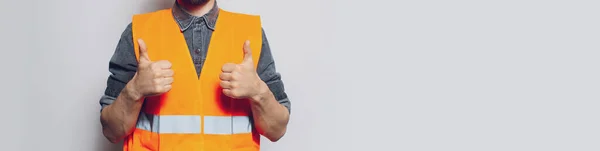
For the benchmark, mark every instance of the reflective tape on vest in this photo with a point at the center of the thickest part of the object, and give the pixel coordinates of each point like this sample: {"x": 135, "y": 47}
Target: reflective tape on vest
{"x": 191, "y": 124}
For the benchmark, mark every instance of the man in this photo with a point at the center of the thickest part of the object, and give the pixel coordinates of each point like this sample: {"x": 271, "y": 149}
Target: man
{"x": 193, "y": 77}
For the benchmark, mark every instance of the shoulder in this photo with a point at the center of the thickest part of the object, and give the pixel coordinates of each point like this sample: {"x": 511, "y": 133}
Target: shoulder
{"x": 127, "y": 32}
{"x": 123, "y": 54}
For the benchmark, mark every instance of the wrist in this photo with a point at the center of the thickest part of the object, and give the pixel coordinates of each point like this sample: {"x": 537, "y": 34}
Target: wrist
{"x": 262, "y": 93}
{"x": 131, "y": 92}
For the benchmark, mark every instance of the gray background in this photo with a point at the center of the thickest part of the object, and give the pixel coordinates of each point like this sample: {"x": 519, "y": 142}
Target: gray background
{"x": 428, "y": 75}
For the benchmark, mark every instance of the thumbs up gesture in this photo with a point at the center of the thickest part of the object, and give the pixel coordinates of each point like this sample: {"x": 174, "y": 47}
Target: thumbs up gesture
{"x": 151, "y": 78}
{"x": 241, "y": 81}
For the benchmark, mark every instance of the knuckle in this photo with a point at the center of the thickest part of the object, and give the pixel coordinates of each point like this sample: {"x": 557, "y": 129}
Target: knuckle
{"x": 234, "y": 94}
{"x": 163, "y": 64}
{"x": 234, "y": 76}
{"x": 228, "y": 67}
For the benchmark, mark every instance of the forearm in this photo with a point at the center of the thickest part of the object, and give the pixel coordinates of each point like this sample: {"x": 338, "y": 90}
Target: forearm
{"x": 270, "y": 117}
{"x": 119, "y": 118}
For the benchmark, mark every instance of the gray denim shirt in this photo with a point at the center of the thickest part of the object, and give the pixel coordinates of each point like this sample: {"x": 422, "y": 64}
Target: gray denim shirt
{"x": 197, "y": 31}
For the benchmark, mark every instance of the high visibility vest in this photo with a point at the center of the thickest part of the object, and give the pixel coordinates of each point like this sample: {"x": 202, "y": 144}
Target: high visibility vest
{"x": 195, "y": 115}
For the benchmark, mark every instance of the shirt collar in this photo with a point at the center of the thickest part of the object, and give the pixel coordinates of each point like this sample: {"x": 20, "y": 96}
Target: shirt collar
{"x": 185, "y": 20}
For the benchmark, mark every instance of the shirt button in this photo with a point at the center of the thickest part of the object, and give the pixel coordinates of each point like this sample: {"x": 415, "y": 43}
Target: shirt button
{"x": 197, "y": 51}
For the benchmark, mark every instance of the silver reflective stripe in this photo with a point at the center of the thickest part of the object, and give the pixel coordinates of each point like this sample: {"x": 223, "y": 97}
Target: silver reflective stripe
{"x": 182, "y": 124}
{"x": 227, "y": 125}
{"x": 146, "y": 122}
{"x": 191, "y": 124}
{"x": 241, "y": 125}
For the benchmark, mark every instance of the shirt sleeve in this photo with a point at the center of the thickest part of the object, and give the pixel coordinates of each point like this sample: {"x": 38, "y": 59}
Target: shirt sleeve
{"x": 267, "y": 72}
{"x": 122, "y": 67}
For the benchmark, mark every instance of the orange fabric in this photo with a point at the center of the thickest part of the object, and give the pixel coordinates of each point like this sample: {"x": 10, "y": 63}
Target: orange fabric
{"x": 191, "y": 95}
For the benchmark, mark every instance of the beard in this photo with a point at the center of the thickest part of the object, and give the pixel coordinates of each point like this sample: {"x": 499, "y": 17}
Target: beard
{"x": 194, "y": 2}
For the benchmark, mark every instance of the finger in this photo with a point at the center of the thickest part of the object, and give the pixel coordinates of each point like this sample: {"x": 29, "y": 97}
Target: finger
{"x": 247, "y": 52}
{"x": 167, "y": 88}
{"x": 167, "y": 81}
{"x": 143, "y": 52}
{"x": 163, "y": 64}
{"x": 228, "y": 92}
{"x": 226, "y": 76}
{"x": 228, "y": 67}
{"x": 225, "y": 85}
{"x": 165, "y": 73}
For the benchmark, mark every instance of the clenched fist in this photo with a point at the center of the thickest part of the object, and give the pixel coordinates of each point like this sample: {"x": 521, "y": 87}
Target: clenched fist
{"x": 151, "y": 78}
{"x": 241, "y": 81}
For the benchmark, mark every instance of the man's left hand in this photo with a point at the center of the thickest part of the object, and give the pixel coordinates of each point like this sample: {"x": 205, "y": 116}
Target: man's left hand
{"x": 241, "y": 81}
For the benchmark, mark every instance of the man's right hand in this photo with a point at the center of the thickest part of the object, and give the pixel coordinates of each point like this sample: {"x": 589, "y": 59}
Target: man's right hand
{"x": 151, "y": 78}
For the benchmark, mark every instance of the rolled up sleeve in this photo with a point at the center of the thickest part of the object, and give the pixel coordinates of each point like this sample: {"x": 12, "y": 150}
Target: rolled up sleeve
{"x": 122, "y": 67}
{"x": 267, "y": 72}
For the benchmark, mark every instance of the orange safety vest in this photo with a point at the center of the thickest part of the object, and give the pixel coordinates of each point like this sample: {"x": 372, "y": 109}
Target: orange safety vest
{"x": 195, "y": 115}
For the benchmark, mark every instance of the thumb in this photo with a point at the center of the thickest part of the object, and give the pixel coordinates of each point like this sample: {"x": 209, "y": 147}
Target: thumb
{"x": 247, "y": 52}
{"x": 143, "y": 52}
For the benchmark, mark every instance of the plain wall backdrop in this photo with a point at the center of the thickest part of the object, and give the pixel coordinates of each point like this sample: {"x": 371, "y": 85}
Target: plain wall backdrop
{"x": 362, "y": 75}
